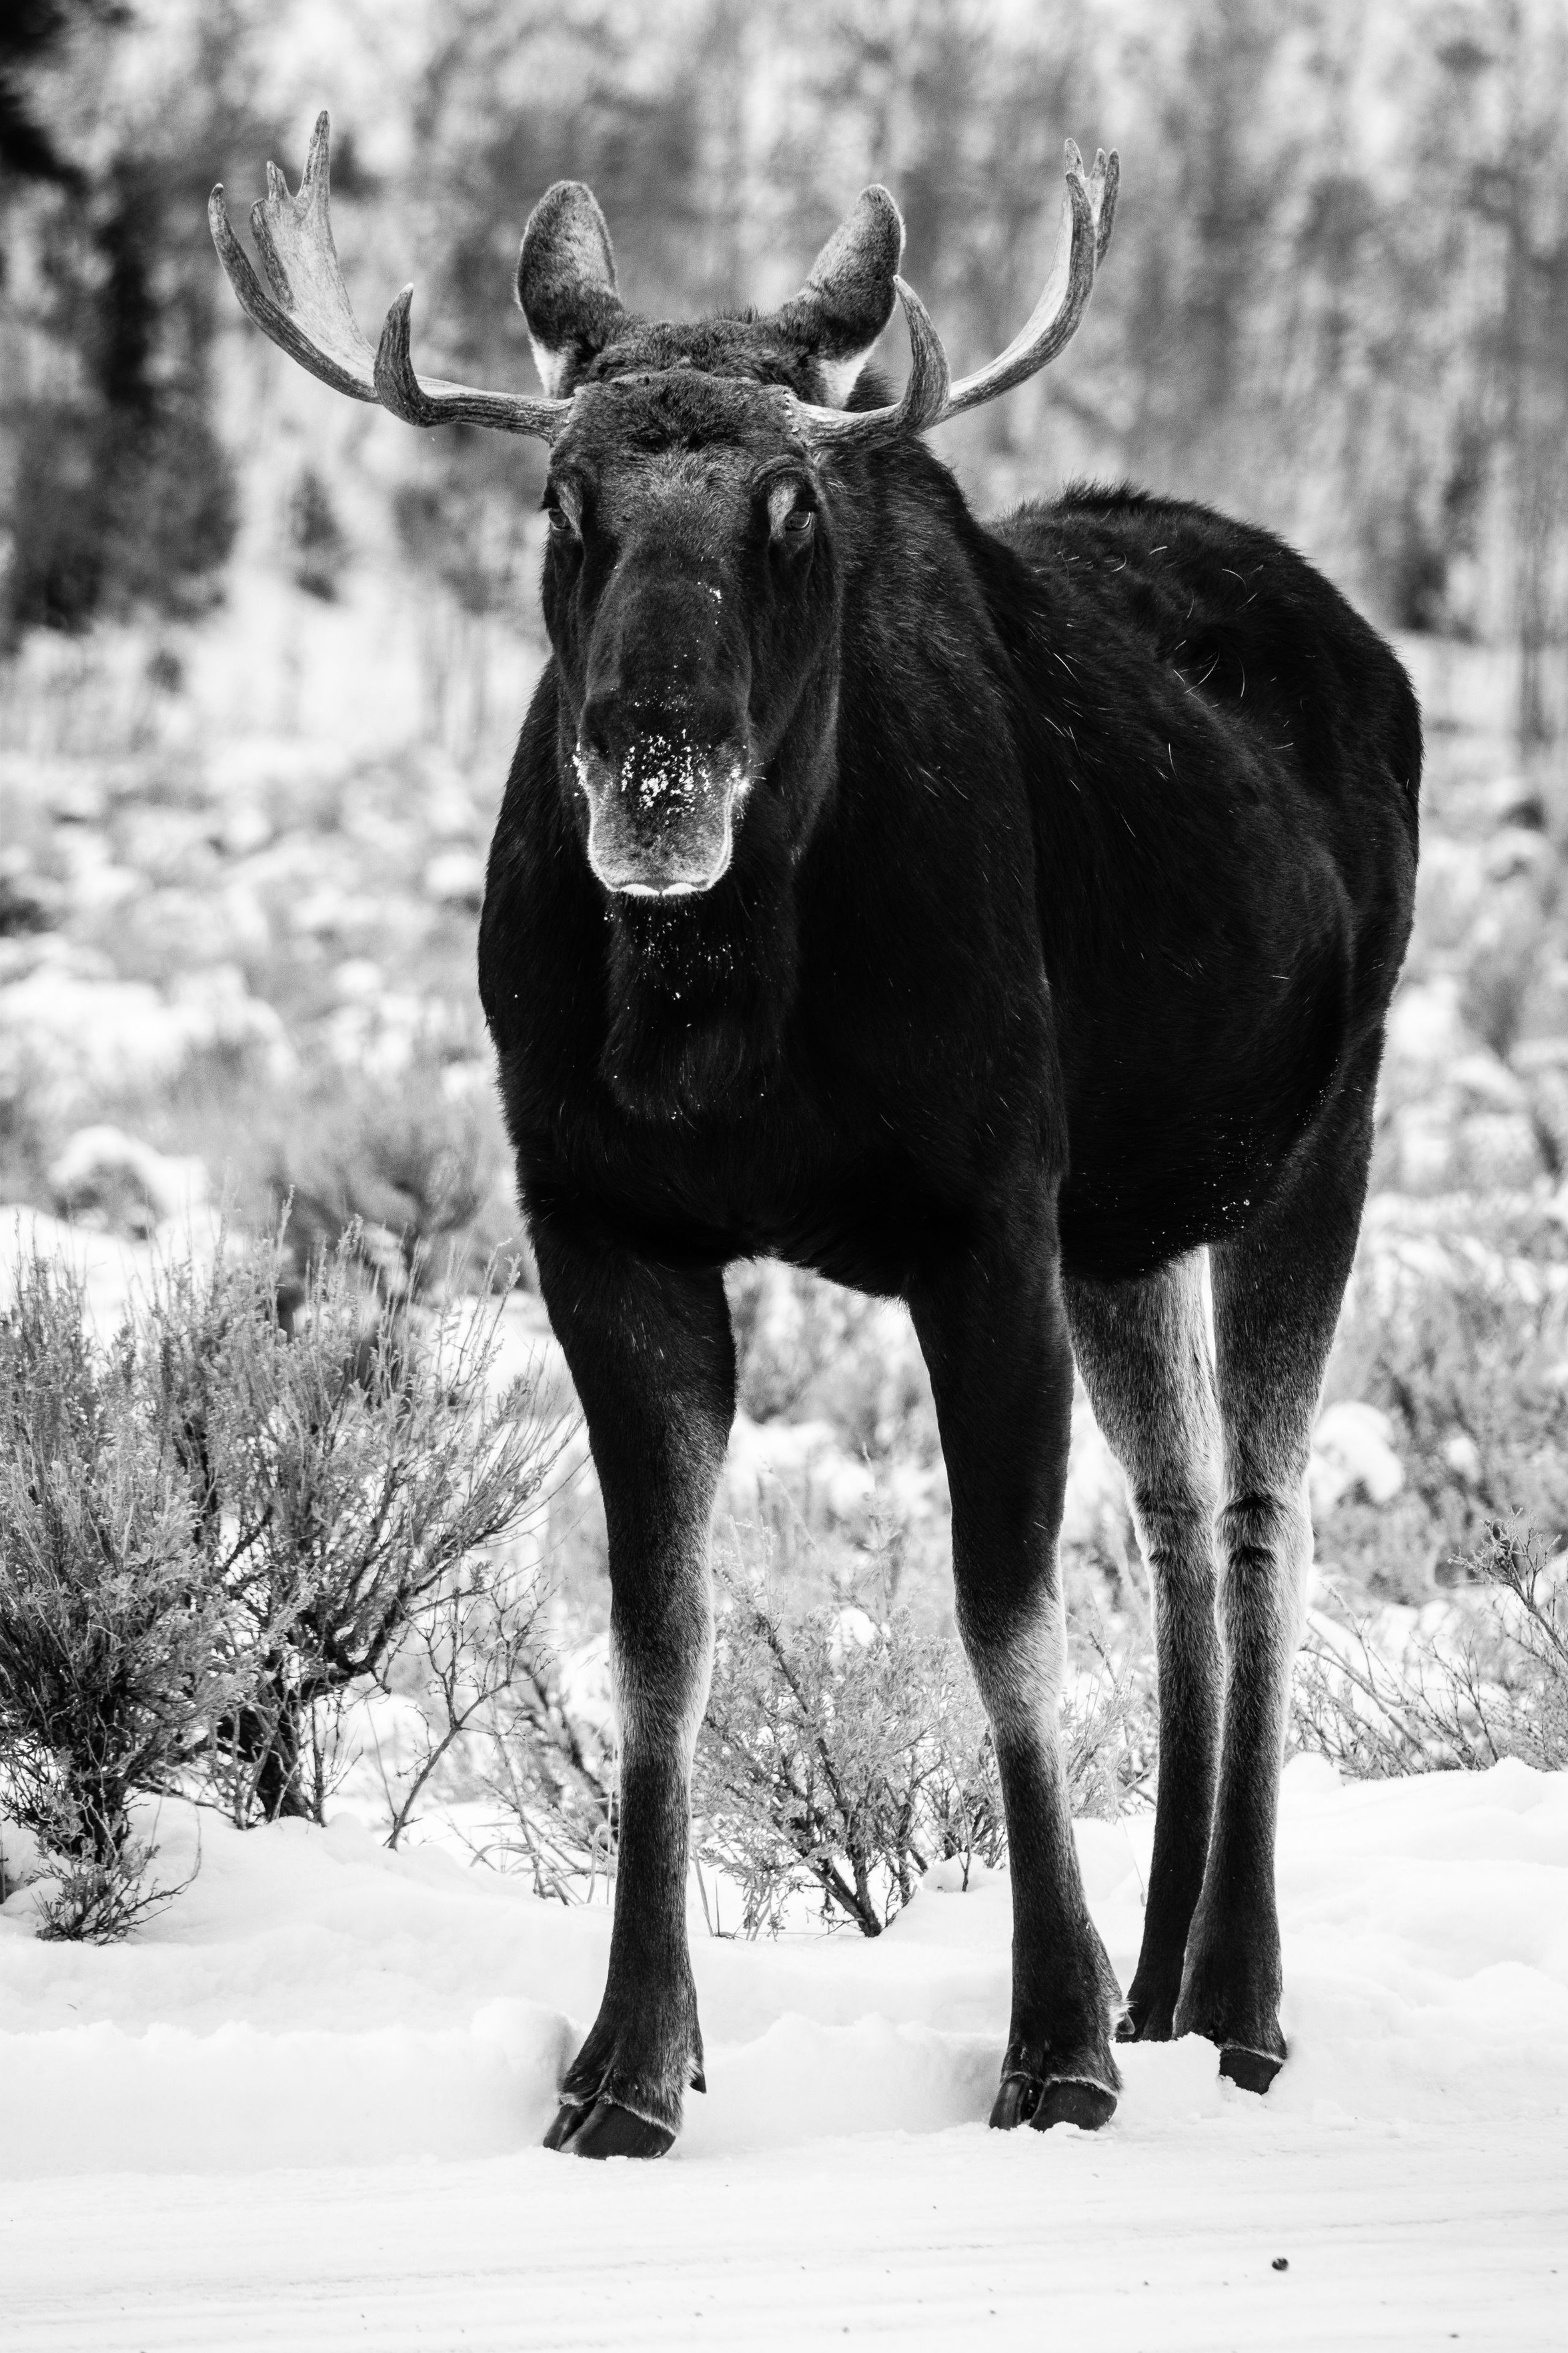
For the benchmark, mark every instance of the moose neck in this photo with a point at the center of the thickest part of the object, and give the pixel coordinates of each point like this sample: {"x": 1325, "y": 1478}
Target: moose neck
{"x": 699, "y": 989}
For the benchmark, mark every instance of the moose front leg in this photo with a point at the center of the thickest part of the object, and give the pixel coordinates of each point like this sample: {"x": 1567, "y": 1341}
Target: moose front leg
{"x": 994, "y": 1330}
{"x": 652, "y": 1355}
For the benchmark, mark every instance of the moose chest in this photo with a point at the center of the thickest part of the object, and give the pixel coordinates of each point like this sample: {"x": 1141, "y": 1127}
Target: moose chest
{"x": 857, "y": 1172}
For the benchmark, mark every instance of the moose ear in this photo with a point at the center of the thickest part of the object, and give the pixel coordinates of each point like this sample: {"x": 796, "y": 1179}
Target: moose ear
{"x": 848, "y": 298}
{"x": 567, "y": 282}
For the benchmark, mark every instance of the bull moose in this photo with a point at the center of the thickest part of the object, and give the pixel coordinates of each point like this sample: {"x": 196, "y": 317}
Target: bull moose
{"x": 999, "y": 917}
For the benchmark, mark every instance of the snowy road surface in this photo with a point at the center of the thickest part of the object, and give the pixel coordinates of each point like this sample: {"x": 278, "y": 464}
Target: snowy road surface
{"x": 299, "y": 2111}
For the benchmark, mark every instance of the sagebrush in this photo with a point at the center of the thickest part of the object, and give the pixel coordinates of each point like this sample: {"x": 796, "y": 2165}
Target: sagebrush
{"x": 222, "y": 1521}
{"x": 1481, "y": 1678}
{"x": 115, "y": 1661}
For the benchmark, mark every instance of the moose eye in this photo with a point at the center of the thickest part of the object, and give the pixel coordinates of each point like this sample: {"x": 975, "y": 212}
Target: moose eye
{"x": 791, "y": 515}
{"x": 560, "y": 507}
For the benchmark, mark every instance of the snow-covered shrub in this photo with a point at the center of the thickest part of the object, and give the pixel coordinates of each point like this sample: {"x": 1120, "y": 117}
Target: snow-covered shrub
{"x": 844, "y": 1750}
{"x": 841, "y": 1752}
{"x": 102, "y": 1177}
{"x": 29, "y": 1131}
{"x": 110, "y": 1655}
{"x": 346, "y": 1463}
{"x": 1526, "y": 1579}
{"x": 551, "y": 1771}
{"x": 413, "y": 1163}
{"x": 428, "y": 1728}
{"x": 1470, "y": 1681}
{"x": 81, "y": 1901}
{"x": 95, "y": 1039}
{"x": 1465, "y": 1352}
{"x": 807, "y": 1349}
{"x": 1506, "y": 947}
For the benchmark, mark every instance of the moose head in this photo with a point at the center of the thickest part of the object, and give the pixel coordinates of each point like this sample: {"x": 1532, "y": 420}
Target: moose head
{"x": 695, "y": 474}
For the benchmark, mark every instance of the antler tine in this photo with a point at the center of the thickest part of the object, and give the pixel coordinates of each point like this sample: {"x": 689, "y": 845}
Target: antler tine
{"x": 924, "y": 396}
{"x": 430, "y": 400}
{"x": 309, "y": 315}
{"x": 1088, "y": 210}
{"x": 1103, "y": 183}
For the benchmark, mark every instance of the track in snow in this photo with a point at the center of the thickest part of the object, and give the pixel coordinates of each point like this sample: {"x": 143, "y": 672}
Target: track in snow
{"x": 928, "y": 2241}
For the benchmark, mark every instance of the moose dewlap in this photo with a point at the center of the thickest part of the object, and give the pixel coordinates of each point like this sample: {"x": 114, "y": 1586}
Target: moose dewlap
{"x": 1001, "y": 917}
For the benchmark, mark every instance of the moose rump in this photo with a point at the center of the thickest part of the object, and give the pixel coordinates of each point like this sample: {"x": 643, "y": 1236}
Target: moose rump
{"x": 1003, "y": 918}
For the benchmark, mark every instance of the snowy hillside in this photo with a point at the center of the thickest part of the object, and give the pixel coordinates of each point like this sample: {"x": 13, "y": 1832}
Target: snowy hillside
{"x": 311, "y": 2093}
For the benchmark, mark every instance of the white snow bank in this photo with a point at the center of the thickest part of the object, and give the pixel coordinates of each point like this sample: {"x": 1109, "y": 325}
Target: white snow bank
{"x": 313, "y": 2000}
{"x": 115, "y": 1178}
{"x": 1352, "y": 1447}
{"x": 93, "y": 1037}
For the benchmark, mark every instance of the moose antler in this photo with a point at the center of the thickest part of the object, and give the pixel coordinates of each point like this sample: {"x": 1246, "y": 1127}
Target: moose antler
{"x": 309, "y": 315}
{"x": 925, "y": 396}
{"x": 1088, "y": 210}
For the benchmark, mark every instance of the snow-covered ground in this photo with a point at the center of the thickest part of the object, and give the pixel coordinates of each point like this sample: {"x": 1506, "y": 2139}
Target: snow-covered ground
{"x": 302, "y": 2107}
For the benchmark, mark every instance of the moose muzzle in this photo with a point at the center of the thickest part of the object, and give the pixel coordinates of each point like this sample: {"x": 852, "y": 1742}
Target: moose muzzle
{"x": 662, "y": 811}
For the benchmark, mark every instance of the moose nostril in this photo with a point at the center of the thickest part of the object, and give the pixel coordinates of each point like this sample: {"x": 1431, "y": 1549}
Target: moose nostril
{"x": 593, "y": 735}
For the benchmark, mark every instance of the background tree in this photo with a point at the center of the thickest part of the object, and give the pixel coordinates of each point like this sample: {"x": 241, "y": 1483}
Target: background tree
{"x": 1339, "y": 300}
{"x": 116, "y": 493}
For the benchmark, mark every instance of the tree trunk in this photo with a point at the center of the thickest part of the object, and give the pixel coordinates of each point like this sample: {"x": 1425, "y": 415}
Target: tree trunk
{"x": 279, "y": 1788}
{"x": 267, "y": 1744}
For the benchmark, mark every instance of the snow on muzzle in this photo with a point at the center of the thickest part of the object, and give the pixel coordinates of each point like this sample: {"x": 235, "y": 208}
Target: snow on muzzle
{"x": 662, "y": 817}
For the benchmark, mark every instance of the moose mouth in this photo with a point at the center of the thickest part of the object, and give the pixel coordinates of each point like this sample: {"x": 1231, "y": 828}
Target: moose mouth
{"x": 661, "y": 818}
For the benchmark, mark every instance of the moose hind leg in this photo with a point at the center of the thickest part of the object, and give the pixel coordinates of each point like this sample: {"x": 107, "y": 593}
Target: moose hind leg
{"x": 1143, "y": 1349}
{"x": 651, "y": 1353}
{"x": 1278, "y": 1290}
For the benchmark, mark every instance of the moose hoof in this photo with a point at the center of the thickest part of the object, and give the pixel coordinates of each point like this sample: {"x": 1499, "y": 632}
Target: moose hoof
{"x": 604, "y": 2130}
{"x": 1067, "y": 2100}
{"x": 1253, "y": 2070}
